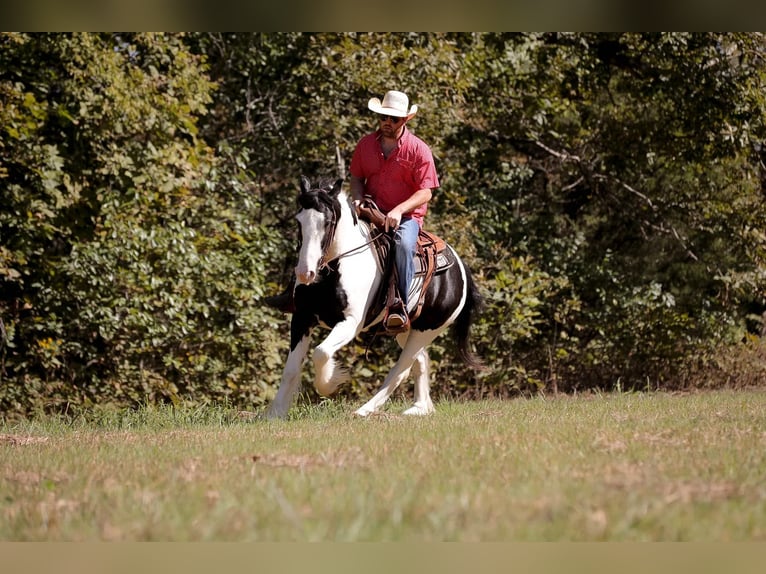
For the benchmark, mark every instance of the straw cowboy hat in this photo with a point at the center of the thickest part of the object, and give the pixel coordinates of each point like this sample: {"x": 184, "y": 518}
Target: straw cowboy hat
{"x": 394, "y": 104}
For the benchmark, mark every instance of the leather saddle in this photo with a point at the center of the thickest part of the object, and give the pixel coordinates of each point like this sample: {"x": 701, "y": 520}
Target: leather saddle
{"x": 431, "y": 257}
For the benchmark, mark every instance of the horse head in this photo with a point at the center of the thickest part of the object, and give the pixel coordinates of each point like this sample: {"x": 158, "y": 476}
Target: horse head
{"x": 318, "y": 214}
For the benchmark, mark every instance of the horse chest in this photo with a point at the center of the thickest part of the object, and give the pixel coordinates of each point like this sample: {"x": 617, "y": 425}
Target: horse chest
{"x": 325, "y": 300}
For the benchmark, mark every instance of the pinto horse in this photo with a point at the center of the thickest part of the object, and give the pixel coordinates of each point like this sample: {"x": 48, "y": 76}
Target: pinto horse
{"x": 338, "y": 278}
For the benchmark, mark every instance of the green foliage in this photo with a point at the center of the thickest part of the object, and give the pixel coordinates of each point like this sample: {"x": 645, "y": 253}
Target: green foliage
{"x": 134, "y": 268}
{"x": 606, "y": 190}
{"x": 625, "y": 165}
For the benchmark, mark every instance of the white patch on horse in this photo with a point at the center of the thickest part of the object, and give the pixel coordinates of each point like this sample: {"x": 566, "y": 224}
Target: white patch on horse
{"x": 312, "y": 228}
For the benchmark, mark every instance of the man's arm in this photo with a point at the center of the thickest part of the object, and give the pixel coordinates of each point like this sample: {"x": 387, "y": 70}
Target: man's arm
{"x": 394, "y": 217}
{"x": 357, "y": 188}
{"x": 417, "y": 199}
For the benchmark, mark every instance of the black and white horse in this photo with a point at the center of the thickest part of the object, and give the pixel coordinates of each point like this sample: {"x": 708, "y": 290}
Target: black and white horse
{"x": 338, "y": 279}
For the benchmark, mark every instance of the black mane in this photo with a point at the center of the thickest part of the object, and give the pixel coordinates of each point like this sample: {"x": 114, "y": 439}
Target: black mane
{"x": 322, "y": 197}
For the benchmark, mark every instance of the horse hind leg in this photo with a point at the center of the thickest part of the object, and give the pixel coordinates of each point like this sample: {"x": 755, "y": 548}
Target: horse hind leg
{"x": 412, "y": 354}
{"x": 423, "y": 404}
{"x": 393, "y": 380}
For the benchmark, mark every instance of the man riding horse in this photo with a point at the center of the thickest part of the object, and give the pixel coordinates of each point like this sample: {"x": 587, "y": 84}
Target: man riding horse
{"x": 395, "y": 169}
{"x": 340, "y": 276}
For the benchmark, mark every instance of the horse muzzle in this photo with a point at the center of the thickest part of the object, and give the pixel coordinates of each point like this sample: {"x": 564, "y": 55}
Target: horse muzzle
{"x": 305, "y": 276}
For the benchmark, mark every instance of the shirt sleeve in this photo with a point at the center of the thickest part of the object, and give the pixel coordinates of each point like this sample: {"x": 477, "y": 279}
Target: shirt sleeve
{"x": 357, "y": 160}
{"x": 425, "y": 174}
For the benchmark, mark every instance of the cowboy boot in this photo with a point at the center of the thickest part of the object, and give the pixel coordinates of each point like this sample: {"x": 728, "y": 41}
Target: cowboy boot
{"x": 285, "y": 301}
{"x": 396, "y": 320}
{"x": 396, "y": 317}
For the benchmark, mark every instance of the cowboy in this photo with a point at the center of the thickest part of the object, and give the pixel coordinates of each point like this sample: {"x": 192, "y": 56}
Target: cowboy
{"x": 396, "y": 170}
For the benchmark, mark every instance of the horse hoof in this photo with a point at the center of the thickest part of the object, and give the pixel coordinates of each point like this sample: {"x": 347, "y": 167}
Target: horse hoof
{"x": 363, "y": 412}
{"x": 419, "y": 410}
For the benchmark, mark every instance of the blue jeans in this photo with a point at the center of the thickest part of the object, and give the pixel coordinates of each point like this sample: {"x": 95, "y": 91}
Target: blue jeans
{"x": 405, "y": 246}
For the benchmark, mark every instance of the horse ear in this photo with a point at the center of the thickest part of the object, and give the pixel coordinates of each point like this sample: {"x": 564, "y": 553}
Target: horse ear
{"x": 336, "y": 187}
{"x": 305, "y": 184}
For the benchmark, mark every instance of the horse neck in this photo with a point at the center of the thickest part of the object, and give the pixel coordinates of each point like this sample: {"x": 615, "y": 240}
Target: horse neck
{"x": 348, "y": 233}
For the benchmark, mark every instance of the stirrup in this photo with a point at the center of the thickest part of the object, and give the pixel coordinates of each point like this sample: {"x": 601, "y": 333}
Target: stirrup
{"x": 396, "y": 320}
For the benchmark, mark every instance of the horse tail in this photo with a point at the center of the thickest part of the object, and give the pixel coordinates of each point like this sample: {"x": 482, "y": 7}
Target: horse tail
{"x": 473, "y": 305}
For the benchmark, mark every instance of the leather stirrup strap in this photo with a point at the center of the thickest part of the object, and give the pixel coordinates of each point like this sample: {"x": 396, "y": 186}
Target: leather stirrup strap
{"x": 429, "y": 260}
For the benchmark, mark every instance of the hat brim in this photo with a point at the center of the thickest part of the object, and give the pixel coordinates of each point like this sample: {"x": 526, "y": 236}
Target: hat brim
{"x": 376, "y": 106}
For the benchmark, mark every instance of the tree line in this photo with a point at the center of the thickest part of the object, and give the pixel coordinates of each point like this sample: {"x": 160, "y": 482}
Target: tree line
{"x": 607, "y": 190}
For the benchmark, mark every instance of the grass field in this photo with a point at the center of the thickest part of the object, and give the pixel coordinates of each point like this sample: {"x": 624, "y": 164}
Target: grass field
{"x": 616, "y": 467}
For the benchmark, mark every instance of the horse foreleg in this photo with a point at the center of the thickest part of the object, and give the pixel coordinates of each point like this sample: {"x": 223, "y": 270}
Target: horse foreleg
{"x": 423, "y": 404}
{"x": 328, "y": 376}
{"x": 291, "y": 378}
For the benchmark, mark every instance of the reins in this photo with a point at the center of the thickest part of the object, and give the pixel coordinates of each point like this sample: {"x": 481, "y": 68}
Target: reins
{"x": 331, "y": 235}
{"x": 324, "y": 263}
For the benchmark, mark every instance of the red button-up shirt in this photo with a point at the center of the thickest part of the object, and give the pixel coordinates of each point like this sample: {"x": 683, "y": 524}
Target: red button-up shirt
{"x": 389, "y": 181}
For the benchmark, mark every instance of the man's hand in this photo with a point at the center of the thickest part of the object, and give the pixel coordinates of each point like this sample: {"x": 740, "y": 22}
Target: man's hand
{"x": 393, "y": 219}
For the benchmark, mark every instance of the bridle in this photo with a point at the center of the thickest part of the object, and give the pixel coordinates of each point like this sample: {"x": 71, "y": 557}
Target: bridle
{"x": 329, "y": 237}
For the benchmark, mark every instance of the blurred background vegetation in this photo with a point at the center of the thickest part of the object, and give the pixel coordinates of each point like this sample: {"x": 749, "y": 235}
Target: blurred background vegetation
{"x": 608, "y": 191}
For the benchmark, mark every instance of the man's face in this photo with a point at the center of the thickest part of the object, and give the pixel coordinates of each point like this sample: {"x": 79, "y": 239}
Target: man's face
{"x": 390, "y": 125}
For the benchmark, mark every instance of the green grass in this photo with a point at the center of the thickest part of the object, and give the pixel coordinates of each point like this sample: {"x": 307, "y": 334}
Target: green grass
{"x": 620, "y": 467}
